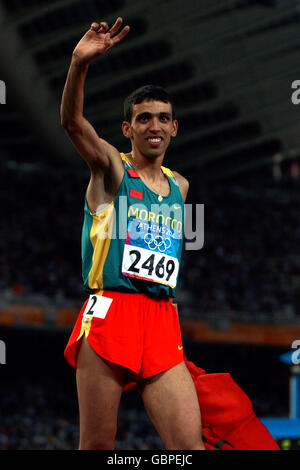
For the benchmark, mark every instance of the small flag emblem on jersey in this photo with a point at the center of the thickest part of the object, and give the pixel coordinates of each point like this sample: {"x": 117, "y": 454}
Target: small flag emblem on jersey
{"x": 136, "y": 194}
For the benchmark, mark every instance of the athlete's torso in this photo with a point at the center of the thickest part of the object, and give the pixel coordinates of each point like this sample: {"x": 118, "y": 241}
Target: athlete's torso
{"x": 134, "y": 244}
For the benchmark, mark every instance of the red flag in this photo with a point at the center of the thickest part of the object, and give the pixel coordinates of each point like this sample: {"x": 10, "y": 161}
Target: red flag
{"x": 228, "y": 419}
{"x": 136, "y": 194}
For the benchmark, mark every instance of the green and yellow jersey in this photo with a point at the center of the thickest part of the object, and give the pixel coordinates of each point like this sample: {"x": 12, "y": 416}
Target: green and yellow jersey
{"x": 134, "y": 244}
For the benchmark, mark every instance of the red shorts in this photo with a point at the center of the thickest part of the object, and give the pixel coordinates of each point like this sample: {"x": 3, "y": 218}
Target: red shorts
{"x": 139, "y": 333}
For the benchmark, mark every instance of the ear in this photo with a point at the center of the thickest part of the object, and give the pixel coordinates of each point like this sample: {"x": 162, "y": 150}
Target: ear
{"x": 174, "y": 128}
{"x": 126, "y": 129}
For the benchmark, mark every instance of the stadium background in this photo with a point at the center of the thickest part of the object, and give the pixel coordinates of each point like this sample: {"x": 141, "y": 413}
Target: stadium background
{"x": 230, "y": 66}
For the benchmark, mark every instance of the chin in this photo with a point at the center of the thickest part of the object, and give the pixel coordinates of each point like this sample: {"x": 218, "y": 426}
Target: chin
{"x": 154, "y": 153}
{"x": 153, "y": 156}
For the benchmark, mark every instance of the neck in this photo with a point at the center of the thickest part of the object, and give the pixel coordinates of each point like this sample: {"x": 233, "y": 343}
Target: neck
{"x": 150, "y": 172}
{"x": 150, "y": 167}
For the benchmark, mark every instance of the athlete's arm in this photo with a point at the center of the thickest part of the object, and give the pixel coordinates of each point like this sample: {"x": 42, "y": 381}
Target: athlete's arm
{"x": 100, "y": 156}
{"x": 183, "y": 184}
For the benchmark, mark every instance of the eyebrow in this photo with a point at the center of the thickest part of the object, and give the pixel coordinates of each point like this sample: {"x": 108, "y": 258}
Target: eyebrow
{"x": 147, "y": 114}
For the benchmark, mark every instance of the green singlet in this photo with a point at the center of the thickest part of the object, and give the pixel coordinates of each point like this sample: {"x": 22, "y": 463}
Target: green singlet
{"x": 134, "y": 244}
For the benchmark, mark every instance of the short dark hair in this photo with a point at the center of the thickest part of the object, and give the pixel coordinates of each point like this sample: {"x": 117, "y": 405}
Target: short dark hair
{"x": 146, "y": 93}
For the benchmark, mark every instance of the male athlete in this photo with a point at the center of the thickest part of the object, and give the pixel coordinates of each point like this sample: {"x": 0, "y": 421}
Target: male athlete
{"x": 128, "y": 329}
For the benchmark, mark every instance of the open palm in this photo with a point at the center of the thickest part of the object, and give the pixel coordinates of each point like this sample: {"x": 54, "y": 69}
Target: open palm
{"x": 98, "y": 39}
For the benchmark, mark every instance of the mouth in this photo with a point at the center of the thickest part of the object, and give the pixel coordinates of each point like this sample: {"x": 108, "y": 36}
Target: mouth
{"x": 154, "y": 141}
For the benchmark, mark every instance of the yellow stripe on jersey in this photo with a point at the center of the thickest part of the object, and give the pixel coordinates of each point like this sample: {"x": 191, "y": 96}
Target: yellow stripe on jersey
{"x": 167, "y": 172}
{"x": 124, "y": 158}
{"x": 100, "y": 236}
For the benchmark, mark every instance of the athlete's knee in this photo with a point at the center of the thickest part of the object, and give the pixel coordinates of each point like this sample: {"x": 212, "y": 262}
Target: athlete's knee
{"x": 99, "y": 442}
{"x": 185, "y": 443}
{"x": 102, "y": 438}
{"x": 94, "y": 444}
{"x": 187, "y": 437}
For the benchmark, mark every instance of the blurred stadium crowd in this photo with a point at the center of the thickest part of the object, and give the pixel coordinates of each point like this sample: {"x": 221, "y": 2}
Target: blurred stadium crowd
{"x": 249, "y": 263}
{"x": 43, "y": 415}
{"x": 38, "y": 416}
{"x": 249, "y": 266}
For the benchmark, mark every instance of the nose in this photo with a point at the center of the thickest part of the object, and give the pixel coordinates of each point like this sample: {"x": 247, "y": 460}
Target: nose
{"x": 154, "y": 124}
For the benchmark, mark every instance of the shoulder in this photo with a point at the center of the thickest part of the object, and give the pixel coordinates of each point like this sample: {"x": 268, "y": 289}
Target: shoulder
{"x": 183, "y": 183}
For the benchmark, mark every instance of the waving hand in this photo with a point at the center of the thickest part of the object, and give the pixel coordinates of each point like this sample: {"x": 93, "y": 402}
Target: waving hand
{"x": 98, "y": 39}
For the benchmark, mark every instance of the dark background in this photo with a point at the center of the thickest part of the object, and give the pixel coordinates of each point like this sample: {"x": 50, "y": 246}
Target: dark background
{"x": 230, "y": 65}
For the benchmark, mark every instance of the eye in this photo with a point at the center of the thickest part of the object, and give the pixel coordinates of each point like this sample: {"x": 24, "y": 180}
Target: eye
{"x": 164, "y": 117}
{"x": 143, "y": 117}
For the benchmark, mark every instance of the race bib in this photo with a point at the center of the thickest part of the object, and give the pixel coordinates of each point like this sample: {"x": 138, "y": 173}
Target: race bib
{"x": 150, "y": 252}
{"x": 97, "y": 307}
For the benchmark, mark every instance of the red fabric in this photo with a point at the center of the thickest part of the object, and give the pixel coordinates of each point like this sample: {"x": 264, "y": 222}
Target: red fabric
{"x": 132, "y": 173}
{"x": 227, "y": 413}
{"x": 137, "y": 332}
{"x": 136, "y": 194}
{"x": 228, "y": 419}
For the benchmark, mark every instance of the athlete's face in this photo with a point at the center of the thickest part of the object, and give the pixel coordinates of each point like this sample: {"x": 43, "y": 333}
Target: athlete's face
{"x": 151, "y": 127}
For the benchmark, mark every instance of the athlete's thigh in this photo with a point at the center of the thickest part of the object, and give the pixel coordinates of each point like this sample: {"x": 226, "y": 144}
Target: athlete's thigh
{"x": 99, "y": 387}
{"x": 171, "y": 402}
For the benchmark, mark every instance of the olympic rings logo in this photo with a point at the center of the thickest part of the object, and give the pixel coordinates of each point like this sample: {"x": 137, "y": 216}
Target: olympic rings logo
{"x": 157, "y": 242}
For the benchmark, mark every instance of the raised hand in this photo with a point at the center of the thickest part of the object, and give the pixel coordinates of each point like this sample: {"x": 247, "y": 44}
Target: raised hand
{"x": 98, "y": 39}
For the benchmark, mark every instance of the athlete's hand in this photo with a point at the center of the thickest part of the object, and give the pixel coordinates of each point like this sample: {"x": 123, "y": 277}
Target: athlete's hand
{"x": 98, "y": 39}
